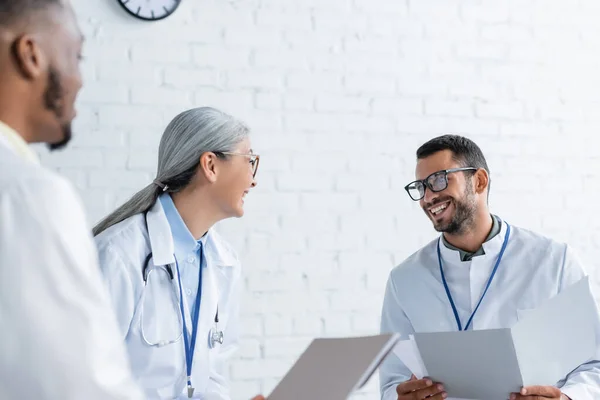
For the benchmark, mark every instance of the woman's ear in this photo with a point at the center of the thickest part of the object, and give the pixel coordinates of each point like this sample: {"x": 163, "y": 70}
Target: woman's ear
{"x": 208, "y": 166}
{"x": 482, "y": 180}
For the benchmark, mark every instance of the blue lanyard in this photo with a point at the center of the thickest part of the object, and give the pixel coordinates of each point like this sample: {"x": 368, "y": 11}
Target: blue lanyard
{"x": 189, "y": 347}
{"x": 486, "y": 287}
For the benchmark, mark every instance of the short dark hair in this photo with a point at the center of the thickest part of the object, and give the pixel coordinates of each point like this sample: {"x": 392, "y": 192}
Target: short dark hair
{"x": 14, "y": 10}
{"x": 464, "y": 151}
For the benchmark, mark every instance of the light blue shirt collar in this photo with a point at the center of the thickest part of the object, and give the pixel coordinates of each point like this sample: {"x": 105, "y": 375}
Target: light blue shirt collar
{"x": 183, "y": 240}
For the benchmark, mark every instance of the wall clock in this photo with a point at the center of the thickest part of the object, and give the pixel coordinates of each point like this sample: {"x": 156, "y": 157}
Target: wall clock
{"x": 150, "y": 10}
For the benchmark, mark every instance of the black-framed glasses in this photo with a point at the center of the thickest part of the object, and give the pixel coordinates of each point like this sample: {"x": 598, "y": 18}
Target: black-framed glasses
{"x": 435, "y": 182}
{"x": 254, "y": 159}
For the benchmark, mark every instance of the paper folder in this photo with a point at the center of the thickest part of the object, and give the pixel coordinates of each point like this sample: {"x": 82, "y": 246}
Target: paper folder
{"x": 333, "y": 368}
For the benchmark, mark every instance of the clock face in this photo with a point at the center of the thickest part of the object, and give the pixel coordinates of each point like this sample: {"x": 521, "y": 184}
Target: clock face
{"x": 150, "y": 10}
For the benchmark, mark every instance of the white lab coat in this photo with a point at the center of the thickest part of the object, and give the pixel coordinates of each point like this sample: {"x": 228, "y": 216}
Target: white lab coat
{"x": 533, "y": 269}
{"x": 58, "y": 330}
{"x": 161, "y": 371}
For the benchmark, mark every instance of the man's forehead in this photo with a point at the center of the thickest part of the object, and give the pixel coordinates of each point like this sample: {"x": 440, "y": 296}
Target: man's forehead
{"x": 436, "y": 162}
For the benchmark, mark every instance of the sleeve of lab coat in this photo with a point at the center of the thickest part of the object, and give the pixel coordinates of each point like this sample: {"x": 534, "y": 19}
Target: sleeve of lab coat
{"x": 393, "y": 320}
{"x": 219, "y": 383}
{"x": 584, "y": 382}
{"x": 59, "y": 334}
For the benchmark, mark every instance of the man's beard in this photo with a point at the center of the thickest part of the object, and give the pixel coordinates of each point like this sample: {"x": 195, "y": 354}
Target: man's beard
{"x": 464, "y": 214}
{"x": 53, "y": 101}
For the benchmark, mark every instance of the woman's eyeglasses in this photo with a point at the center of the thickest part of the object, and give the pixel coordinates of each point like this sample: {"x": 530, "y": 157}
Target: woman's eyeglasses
{"x": 254, "y": 159}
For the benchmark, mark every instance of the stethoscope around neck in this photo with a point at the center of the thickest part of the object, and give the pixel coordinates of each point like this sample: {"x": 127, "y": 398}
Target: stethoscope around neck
{"x": 214, "y": 336}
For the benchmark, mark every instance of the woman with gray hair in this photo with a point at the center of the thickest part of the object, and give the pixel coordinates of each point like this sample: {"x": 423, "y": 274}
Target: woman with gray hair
{"x": 173, "y": 280}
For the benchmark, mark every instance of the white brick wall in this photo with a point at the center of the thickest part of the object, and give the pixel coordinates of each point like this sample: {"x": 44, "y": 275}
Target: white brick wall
{"x": 339, "y": 94}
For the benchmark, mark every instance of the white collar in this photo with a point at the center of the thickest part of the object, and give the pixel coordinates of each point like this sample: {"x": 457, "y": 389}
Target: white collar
{"x": 163, "y": 249}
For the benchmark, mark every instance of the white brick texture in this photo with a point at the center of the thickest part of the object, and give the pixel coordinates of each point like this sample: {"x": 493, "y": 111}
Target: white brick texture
{"x": 339, "y": 94}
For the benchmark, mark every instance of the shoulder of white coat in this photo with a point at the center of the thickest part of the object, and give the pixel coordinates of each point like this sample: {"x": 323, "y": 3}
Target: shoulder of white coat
{"x": 558, "y": 256}
{"x": 123, "y": 231}
{"x": 45, "y": 192}
{"x": 50, "y": 208}
{"x": 34, "y": 180}
{"x": 528, "y": 239}
{"x": 416, "y": 264}
{"x": 123, "y": 240}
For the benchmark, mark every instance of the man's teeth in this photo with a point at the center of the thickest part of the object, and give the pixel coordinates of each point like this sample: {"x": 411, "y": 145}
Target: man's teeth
{"x": 438, "y": 209}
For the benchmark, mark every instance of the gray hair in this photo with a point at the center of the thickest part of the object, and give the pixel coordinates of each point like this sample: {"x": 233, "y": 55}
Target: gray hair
{"x": 185, "y": 139}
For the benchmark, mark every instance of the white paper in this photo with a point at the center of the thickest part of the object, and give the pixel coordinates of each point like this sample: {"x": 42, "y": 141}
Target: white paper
{"x": 472, "y": 364}
{"x": 563, "y": 330}
{"x": 408, "y": 352}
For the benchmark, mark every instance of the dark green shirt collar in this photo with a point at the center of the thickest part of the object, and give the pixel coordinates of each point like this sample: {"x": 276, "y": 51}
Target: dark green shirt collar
{"x": 465, "y": 255}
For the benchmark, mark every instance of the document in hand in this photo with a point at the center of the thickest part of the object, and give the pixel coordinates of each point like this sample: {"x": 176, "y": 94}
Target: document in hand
{"x": 541, "y": 349}
{"x": 333, "y": 368}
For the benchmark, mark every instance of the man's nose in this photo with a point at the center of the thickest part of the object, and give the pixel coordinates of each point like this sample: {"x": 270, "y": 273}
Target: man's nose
{"x": 429, "y": 196}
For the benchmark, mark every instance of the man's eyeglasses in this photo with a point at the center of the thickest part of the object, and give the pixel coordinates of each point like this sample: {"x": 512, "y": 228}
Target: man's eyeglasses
{"x": 435, "y": 182}
{"x": 254, "y": 159}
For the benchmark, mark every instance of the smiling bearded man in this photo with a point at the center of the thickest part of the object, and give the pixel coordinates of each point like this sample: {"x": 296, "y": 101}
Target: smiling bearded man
{"x": 478, "y": 274}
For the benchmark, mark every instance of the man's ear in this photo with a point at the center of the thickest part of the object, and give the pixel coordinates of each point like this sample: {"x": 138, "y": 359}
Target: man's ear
{"x": 29, "y": 57}
{"x": 208, "y": 166}
{"x": 482, "y": 180}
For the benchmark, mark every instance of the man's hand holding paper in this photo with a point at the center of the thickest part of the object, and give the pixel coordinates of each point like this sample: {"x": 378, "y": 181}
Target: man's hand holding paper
{"x": 539, "y": 393}
{"x": 418, "y": 389}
